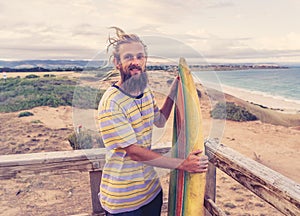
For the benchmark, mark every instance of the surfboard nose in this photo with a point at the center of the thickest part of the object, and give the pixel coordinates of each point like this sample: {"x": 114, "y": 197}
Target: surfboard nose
{"x": 183, "y": 65}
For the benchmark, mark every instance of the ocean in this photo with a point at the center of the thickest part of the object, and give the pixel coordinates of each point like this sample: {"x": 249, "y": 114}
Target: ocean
{"x": 278, "y": 84}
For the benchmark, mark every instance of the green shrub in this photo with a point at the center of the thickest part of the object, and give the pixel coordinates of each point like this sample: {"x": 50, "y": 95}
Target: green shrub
{"x": 85, "y": 139}
{"x": 199, "y": 93}
{"x": 231, "y": 111}
{"x": 23, "y": 94}
{"x": 31, "y": 76}
{"x": 49, "y": 75}
{"x": 36, "y": 122}
{"x": 86, "y": 97}
{"x": 169, "y": 81}
{"x": 23, "y": 114}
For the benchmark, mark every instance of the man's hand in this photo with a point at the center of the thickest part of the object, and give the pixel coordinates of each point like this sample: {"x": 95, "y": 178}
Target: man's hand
{"x": 195, "y": 163}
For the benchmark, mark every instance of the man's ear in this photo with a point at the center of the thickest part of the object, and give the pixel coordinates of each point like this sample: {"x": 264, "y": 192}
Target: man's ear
{"x": 117, "y": 64}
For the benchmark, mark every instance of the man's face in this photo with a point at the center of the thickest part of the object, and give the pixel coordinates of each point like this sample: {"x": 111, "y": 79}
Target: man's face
{"x": 132, "y": 66}
{"x": 132, "y": 58}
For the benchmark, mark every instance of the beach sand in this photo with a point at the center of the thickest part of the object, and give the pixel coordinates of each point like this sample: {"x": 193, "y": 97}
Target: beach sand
{"x": 274, "y": 143}
{"x": 275, "y": 103}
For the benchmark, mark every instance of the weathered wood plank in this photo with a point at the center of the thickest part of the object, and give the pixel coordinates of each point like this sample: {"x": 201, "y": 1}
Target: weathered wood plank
{"x": 212, "y": 208}
{"x": 95, "y": 180}
{"x": 62, "y": 161}
{"x": 33, "y": 169}
{"x": 210, "y": 189}
{"x": 51, "y": 157}
{"x": 274, "y": 188}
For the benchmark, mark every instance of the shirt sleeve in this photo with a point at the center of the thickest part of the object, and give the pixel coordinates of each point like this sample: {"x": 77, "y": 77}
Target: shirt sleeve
{"x": 115, "y": 129}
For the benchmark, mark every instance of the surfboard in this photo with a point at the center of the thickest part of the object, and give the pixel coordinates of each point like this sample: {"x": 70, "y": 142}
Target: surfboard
{"x": 186, "y": 190}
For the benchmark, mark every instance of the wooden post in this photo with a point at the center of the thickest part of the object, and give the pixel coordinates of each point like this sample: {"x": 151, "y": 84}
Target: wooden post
{"x": 95, "y": 179}
{"x": 210, "y": 191}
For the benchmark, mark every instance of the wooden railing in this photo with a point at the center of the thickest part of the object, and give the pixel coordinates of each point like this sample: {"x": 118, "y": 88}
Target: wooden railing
{"x": 274, "y": 188}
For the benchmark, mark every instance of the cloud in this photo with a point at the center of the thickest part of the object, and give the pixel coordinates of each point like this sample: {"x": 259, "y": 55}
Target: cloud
{"x": 219, "y": 4}
{"x": 36, "y": 27}
{"x": 85, "y": 30}
{"x": 290, "y": 40}
{"x": 241, "y": 49}
{"x": 254, "y": 55}
{"x": 24, "y": 51}
{"x": 169, "y": 48}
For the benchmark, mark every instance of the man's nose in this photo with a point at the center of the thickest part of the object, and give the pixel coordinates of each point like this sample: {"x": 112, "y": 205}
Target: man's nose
{"x": 136, "y": 60}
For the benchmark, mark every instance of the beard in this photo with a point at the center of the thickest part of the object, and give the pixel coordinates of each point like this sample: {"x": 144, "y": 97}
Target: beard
{"x": 134, "y": 83}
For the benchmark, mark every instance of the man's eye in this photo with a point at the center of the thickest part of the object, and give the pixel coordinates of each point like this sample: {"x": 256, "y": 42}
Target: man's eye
{"x": 140, "y": 56}
{"x": 128, "y": 57}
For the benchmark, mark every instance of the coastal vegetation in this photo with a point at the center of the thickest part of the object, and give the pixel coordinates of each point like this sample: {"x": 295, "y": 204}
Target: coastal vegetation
{"x": 32, "y": 91}
{"x": 24, "y": 114}
{"x": 231, "y": 111}
{"x": 85, "y": 139}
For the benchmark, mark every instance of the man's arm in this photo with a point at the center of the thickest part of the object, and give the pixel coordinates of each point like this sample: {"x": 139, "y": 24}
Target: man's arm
{"x": 193, "y": 163}
{"x": 168, "y": 104}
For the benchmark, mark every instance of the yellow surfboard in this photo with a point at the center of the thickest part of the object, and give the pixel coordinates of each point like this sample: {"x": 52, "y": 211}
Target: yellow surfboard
{"x": 186, "y": 191}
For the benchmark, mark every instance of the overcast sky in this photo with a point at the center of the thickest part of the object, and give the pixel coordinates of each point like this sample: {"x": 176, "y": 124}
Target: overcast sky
{"x": 219, "y": 30}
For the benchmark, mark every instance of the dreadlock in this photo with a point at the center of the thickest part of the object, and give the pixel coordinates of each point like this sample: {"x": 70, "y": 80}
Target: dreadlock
{"x": 121, "y": 38}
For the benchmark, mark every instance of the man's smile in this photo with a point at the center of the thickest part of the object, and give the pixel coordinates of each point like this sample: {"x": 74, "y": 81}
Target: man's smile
{"x": 135, "y": 69}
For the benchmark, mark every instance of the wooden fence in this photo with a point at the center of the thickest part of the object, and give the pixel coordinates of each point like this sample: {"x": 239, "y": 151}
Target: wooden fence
{"x": 271, "y": 186}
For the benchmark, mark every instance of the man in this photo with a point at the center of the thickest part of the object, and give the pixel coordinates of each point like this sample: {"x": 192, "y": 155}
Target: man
{"x": 127, "y": 113}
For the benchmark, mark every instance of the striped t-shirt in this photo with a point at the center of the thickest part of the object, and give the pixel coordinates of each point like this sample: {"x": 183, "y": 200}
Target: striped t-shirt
{"x": 124, "y": 120}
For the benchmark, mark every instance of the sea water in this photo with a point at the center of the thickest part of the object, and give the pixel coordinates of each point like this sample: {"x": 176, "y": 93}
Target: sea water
{"x": 280, "y": 84}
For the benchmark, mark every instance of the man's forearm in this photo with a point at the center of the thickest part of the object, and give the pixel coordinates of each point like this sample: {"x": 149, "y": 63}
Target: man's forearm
{"x": 196, "y": 162}
{"x": 165, "y": 113}
{"x": 152, "y": 158}
{"x": 168, "y": 104}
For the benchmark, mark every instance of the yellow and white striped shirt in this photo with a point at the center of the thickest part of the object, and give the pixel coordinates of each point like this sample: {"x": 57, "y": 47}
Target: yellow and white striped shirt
{"x": 124, "y": 120}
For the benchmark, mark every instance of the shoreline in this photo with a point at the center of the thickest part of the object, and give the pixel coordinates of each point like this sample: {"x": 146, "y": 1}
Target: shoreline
{"x": 277, "y": 103}
{"x": 265, "y": 101}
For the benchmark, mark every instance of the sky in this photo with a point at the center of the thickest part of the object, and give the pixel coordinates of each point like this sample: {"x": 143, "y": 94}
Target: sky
{"x": 231, "y": 31}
